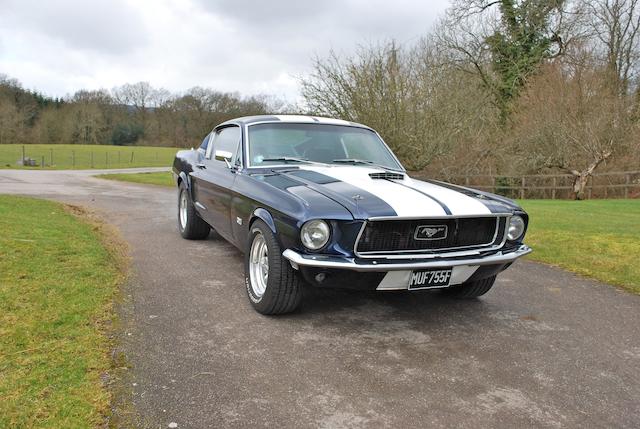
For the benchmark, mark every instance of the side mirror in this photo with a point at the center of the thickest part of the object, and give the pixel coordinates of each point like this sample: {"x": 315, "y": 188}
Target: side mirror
{"x": 223, "y": 155}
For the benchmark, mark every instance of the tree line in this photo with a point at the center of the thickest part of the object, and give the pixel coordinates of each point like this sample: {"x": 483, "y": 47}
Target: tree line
{"x": 500, "y": 87}
{"x": 131, "y": 114}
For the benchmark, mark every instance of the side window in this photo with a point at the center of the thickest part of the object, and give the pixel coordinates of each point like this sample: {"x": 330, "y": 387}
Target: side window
{"x": 227, "y": 139}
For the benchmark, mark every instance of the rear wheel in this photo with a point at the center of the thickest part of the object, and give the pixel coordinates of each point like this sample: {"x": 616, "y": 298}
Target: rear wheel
{"x": 190, "y": 225}
{"x": 272, "y": 284}
{"x": 471, "y": 289}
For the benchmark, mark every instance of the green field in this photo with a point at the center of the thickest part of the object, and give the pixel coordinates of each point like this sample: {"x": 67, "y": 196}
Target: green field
{"x": 159, "y": 178}
{"x": 58, "y": 279}
{"x": 597, "y": 238}
{"x": 69, "y": 156}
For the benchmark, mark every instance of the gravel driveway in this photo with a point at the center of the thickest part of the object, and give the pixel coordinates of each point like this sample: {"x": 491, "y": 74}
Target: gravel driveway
{"x": 544, "y": 348}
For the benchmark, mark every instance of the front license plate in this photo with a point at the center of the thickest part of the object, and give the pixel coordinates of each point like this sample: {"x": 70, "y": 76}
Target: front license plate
{"x": 425, "y": 279}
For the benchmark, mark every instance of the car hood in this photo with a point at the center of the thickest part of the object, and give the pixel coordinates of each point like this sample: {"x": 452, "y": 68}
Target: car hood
{"x": 370, "y": 192}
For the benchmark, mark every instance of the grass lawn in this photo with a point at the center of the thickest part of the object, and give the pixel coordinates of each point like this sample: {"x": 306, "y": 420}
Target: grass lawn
{"x": 597, "y": 238}
{"x": 69, "y": 156}
{"x": 58, "y": 278}
{"x": 163, "y": 178}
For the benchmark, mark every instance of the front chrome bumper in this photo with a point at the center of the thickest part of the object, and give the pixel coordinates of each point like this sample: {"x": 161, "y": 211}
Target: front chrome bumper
{"x": 381, "y": 265}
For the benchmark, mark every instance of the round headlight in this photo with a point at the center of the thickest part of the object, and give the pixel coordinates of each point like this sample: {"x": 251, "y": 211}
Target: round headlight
{"x": 314, "y": 234}
{"x": 516, "y": 228}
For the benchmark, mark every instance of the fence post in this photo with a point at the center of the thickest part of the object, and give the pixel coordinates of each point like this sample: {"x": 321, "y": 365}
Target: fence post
{"x": 522, "y": 186}
{"x": 73, "y": 158}
{"x": 627, "y": 181}
{"x": 23, "y": 155}
{"x": 119, "y": 162}
{"x": 131, "y": 162}
{"x": 466, "y": 181}
{"x": 493, "y": 183}
{"x": 42, "y": 164}
{"x": 51, "y": 156}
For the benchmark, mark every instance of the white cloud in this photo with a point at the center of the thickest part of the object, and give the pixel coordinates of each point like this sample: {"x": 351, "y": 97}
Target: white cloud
{"x": 241, "y": 45}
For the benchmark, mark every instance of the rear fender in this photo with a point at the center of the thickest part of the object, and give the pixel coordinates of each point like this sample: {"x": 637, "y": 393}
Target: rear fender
{"x": 186, "y": 179}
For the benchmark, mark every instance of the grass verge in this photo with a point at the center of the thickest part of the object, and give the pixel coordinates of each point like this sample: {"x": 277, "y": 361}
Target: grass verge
{"x": 59, "y": 276}
{"x": 162, "y": 178}
{"x": 597, "y": 238}
{"x": 71, "y": 156}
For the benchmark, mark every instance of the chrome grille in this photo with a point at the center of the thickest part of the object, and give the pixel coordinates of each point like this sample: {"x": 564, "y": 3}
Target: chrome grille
{"x": 398, "y": 236}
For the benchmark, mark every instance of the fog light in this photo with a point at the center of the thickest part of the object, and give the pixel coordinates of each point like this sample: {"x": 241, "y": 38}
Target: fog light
{"x": 320, "y": 277}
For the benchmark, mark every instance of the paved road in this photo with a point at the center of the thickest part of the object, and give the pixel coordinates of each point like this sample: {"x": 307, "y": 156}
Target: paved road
{"x": 544, "y": 348}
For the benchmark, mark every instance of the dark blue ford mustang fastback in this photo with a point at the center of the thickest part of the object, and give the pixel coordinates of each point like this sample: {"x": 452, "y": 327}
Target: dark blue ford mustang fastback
{"x": 325, "y": 202}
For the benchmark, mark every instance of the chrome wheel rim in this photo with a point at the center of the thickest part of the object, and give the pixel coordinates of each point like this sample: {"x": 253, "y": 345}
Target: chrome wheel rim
{"x": 183, "y": 209}
{"x": 259, "y": 265}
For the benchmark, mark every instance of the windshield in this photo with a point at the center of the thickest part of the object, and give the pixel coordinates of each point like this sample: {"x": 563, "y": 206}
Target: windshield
{"x": 286, "y": 143}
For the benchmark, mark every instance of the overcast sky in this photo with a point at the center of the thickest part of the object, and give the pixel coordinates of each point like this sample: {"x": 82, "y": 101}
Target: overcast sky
{"x": 247, "y": 46}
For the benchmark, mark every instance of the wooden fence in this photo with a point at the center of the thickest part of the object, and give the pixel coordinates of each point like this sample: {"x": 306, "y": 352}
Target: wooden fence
{"x": 624, "y": 184}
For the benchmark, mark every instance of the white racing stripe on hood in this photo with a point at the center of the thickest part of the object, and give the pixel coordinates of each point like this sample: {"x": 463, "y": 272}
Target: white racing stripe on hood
{"x": 405, "y": 202}
{"x": 458, "y": 203}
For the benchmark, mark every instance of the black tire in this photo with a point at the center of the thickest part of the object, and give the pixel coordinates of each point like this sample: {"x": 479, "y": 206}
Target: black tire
{"x": 470, "y": 290}
{"x": 283, "y": 292}
{"x": 193, "y": 228}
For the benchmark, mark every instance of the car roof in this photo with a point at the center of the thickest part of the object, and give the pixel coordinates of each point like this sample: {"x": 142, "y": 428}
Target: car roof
{"x": 247, "y": 120}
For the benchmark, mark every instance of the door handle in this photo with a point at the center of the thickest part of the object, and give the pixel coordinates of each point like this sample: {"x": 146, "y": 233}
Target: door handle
{"x": 201, "y": 165}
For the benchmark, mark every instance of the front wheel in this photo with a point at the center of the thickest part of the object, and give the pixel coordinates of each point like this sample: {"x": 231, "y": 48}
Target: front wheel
{"x": 471, "y": 289}
{"x": 272, "y": 284}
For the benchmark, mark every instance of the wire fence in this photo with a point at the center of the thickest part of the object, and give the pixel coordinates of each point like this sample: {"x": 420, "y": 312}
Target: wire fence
{"x": 84, "y": 156}
{"x": 623, "y": 184}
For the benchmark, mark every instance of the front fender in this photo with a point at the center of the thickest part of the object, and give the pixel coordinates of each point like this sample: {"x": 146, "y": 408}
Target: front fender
{"x": 265, "y": 216}
{"x": 283, "y": 235}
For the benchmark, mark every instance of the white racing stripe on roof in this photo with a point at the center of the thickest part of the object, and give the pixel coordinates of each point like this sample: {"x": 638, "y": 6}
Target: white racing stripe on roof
{"x": 405, "y": 202}
{"x": 457, "y": 202}
{"x": 311, "y": 119}
{"x": 295, "y": 118}
{"x": 332, "y": 121}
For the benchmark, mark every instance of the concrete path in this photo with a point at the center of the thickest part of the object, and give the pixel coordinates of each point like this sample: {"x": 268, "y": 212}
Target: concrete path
{"x": 544, "y": 348}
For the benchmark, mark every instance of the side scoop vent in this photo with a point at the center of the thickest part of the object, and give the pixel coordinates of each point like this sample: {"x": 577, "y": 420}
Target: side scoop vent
{"x": 387, "y": 175}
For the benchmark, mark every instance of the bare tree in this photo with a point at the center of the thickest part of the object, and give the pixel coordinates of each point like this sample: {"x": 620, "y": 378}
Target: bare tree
{"x": 378, "y": 86}
{"x": 570, "y": 119}
{"x": 87, "y": 122}
{"x": 616, "y": 26}
{"x": 9, "y": 122}
{"x": 140, "y": 96}
{"x": 18, "y": 111}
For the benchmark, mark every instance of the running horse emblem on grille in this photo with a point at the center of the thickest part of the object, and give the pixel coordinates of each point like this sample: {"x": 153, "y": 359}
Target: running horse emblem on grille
{"x": 431, "y": 232}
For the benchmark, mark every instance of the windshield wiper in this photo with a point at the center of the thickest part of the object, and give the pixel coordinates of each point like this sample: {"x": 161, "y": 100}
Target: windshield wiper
{"x": 288, "y": 159}
{"x": 359, "y": 161}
